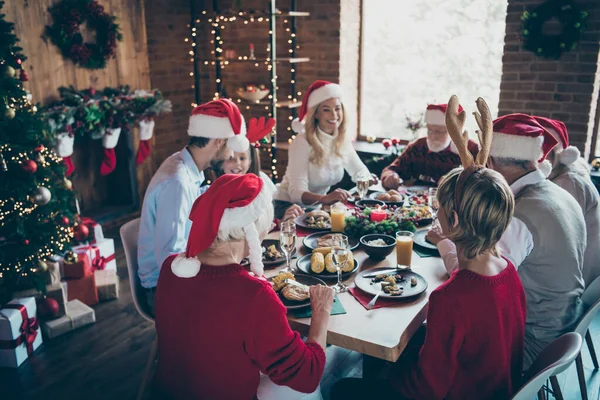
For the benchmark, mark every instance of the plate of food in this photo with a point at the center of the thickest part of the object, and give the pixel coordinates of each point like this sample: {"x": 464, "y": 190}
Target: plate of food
{"x": 316, "y": 220}
{"x": 417, "y": 189}
{"x": 324, "y": 240}
{"x": 320, "y": 263}
{"x": 420, "y": 215}
{"x": 395, "y": 283}
{"x": 294, "y": 296}
{"x": 271, "y": 254}
{"x": 391, "y": 197}
{"x": 420, "y": 239}
{"x": 419, "y": 199}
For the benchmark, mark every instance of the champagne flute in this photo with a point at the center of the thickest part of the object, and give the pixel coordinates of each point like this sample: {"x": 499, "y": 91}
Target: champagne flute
{"x": 433, "y": 202}
{"x": 287, "y": 241}
{"x": 341, "y": 252}
{"x": 363, "y": 182}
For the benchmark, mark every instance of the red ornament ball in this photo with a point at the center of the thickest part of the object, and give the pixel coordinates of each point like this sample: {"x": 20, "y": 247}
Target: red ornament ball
{"x": 19, "y": 61}
{"x": 29, "y": 166}
{"x": 48, "y": 308}
{"x": 65, "y": 221}
{"x": 81, "y": 232}
{"x": 23, "y": 76}
{"x": 26, "y": 242}
{"x": 395, "y": 141}
{"x": 386, "y": 143}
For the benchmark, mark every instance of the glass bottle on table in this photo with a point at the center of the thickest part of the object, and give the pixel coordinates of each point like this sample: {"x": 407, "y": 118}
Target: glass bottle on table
{"x": 287, "y": 241}
{"x": 404, "y": 247}
{"x": 341, "y": 252}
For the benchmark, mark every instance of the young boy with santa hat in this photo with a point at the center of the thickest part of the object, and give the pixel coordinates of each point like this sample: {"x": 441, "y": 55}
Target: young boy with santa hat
{"x": 565, "y": 167}
{"x": 428, "y": 158}
{"x": 216, "y": 128}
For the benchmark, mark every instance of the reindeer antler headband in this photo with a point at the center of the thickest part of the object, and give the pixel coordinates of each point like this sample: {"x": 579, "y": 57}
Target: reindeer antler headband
{"x": 455, "y": 123}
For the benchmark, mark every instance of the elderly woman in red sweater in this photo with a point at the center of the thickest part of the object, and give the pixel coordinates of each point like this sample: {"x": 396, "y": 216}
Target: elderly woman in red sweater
{"x": 217, "y": 325}
{"x": 473, "y": 346}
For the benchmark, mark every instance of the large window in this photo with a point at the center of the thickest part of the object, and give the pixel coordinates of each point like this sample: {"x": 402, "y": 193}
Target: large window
{"x": 422, "y": 51}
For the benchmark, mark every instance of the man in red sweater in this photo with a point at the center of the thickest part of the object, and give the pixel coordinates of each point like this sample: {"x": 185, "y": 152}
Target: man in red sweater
{"x": 429, "y": 158}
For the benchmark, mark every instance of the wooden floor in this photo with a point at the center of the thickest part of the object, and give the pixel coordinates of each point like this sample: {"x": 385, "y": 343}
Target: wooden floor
{"x": 106, "y": 360}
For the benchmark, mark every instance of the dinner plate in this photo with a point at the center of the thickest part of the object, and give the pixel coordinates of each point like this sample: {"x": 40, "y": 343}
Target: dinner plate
{"x": 366, "y": 284}
{"x": 417, "y": 189}
{"x": 307, "y": 280}
{"x": 419, "y": 239}
{"x": 299, "y": 220}
{"x": 268, "y": 242}
{"x": 389, "y": 203}
{"x": 303, "y": 265}
{"x": 310, "y": 241}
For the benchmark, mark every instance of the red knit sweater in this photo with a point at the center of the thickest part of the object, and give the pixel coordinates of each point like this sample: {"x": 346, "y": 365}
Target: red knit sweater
{"x": 474, "y": 342}
{"x": 417, "y": 162}
{"x": 219, "y": 328}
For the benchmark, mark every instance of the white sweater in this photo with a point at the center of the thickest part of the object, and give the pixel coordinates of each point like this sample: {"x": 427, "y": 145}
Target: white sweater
{"x": 302, "y": 175}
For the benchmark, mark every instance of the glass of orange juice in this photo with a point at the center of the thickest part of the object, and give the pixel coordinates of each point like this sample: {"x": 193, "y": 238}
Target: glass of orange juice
{"x": 404, "y": 247}
{"x": 338, "y": 217}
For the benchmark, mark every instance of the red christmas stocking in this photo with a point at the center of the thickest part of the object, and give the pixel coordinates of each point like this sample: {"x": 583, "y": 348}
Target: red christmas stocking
{"x": 109, "y": 163}
{"x": 69, "y": 163}
{"x": 143, "y": 151}
{"x": 146, "y": 130}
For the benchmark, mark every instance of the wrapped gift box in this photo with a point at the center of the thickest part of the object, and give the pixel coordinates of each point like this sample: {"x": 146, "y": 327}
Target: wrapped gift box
{"x": 58, "y": 292}
{"x": 79, "y": 315}
{"x": 79, "y": 268}
{"x": 107, "y": 283}
{"x": 83, "y": 289}
{"x": 101, "y": 254}
{"x": 19, "y": 332}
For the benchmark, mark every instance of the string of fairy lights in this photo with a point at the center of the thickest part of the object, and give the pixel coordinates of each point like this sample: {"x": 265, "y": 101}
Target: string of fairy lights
{"x": 218, "y": 23}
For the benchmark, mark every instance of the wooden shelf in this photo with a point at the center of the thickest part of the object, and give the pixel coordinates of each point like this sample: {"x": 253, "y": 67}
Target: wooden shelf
{"x": 291, "y": 60}
{"x": 258, "y": 14}
{"x": 280, "y": 104}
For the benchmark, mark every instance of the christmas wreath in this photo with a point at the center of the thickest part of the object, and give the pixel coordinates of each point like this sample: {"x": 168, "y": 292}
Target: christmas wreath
{"x": 572, "y": 22}
{"x": 68, "y": 16}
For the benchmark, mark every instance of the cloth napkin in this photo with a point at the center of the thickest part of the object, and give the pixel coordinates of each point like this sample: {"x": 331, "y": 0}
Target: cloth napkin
{"x": 365, "y": 298}
{"x": 425, "y": 253}
{"x": 306, "y": 312}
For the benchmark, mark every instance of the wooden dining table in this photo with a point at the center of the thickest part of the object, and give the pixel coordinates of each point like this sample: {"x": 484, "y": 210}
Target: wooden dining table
{"x": 384, "y": 332}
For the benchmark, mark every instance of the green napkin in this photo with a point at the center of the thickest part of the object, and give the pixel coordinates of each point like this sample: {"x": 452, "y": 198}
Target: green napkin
{"x": 337, "y": 308}
{"x": 425, "y": 253}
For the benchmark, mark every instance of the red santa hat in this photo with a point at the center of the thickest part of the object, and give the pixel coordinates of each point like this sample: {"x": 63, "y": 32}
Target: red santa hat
{"x": 567, "y": 155}
{"x": 220, "y": 119}
{"x": 521, "y": 137}
{"x": 317, "y": 93}
{"x": 436, "y": 114}
{"x": 232, "y": 202}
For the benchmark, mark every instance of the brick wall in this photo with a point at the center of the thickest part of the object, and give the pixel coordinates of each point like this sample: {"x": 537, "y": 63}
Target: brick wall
{"x": 564, "y": 89}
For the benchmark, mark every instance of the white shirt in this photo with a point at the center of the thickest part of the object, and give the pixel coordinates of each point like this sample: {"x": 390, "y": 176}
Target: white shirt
{"x": 164, "y": 221}
{"x": 303, "y": 176}
{"x": 516, "y": 242}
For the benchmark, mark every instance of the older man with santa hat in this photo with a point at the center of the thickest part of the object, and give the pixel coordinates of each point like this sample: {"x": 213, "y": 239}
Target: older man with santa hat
{"x": 428, "y": 158}
{"x": 215, "y": 129}
{"x": 546, "y": 239}
{"x": 567, "y": 169}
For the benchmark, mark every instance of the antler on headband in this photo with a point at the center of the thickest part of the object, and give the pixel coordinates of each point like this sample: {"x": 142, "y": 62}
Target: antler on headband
{"x": 259, "y": 128}
{"x": 484, "y": 120}
{"x": 455, "y": 123}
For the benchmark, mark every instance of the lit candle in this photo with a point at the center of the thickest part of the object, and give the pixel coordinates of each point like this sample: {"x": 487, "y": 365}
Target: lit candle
{"x": 378, "y": 215}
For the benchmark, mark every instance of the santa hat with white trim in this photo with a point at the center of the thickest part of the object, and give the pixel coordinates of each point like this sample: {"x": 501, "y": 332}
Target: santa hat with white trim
{"x": 317, "y": 93}
{"x": 521, "y": 137}
{"x": 232, "y": 201}
{"x": 436, "y": 114}
{"x": 567, "y": 155}
{"x": 220, "y": 119}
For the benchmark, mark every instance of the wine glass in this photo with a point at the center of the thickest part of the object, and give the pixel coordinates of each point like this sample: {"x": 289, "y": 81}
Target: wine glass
{"x": 433, "y": 202}
{"x": 341, "y": 252}
{"x": 363, "y": 182}
{"x": 287, "y": 241}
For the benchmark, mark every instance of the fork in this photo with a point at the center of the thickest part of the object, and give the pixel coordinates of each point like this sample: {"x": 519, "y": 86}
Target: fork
{"x": 372, "y": 302}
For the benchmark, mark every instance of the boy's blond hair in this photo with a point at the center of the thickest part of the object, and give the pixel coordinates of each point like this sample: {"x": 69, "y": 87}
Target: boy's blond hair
{"x": 485, "y": 208}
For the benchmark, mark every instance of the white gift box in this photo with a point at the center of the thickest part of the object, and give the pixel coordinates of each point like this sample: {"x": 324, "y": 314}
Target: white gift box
{"x": 111, "y": 138}
{"x": 98, "y": 233}
{"x": 101, "y": 254}
{"x": 146, "y": 129}
{"x": 64, "y": 144}
{"x": 11, "y": 332}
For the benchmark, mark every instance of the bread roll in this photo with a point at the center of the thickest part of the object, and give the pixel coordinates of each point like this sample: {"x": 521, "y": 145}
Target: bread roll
{"x": 396, "y": 198}
{"x": 317, "y": 263}
{"x": 383, "y": 197}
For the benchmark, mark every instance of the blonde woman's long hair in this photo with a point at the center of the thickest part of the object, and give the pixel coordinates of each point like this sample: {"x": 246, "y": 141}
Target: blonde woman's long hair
{"x": 318, "y": 155}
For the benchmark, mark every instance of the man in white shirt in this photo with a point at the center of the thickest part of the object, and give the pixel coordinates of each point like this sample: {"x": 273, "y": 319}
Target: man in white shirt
{"x": 217, "y": 129}
{"x": 546, "y": 238}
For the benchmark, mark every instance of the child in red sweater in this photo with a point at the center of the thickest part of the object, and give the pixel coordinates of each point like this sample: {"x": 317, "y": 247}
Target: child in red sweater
{"x": 473, "y": 347}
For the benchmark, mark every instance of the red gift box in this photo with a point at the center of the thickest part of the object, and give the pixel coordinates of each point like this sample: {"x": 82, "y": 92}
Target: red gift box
{"x": 83, "y": 289}
{"x": 79, "y": 269}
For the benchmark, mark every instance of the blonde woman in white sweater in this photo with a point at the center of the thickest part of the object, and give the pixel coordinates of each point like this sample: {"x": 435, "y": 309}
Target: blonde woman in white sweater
{"x": 320, "y": 153}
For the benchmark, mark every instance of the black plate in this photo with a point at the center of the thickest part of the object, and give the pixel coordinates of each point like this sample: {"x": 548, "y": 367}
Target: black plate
{"x": 310, "y": 241}
{"x": 303, "y": 265}
{"x": 300, "y": 222}
{"x": 305, "y": 280}
{"x": 370, "y": 203}
{"x": 419, "y": 239}
{"x": 389, "y": 203}
{"x": 268, "y": 242}
{"x": 367, "y": 286}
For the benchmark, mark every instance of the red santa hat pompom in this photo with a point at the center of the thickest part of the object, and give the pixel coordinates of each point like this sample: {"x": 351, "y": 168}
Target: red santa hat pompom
{"x": 109, "y": 142}
{"x": 220, "y": 119}
{"x": 317, "y": 93}
{"x": 436, "y": 114}
{"x": 232, "y": 202}
{"x": 521, "y": 137}
{"x": 567, "y": 155}
{"x": 146, "y": 131}
{"x": 64, "y": 149}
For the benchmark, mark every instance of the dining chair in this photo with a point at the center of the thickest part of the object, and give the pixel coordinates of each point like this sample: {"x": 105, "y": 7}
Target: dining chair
{"x": 129, "y": 237}
{"x": 554, "y": 359}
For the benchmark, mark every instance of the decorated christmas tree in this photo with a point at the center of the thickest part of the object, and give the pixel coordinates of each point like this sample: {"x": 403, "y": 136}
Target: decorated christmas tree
{"x": 37, "y": 205}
